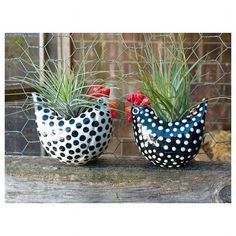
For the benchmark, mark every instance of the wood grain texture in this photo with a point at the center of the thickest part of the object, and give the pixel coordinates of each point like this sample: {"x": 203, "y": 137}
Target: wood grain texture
{"x": 109, "y": 179}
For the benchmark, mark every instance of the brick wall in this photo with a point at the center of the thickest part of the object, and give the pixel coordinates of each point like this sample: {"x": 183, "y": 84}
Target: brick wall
{"x": 114, "y": 53}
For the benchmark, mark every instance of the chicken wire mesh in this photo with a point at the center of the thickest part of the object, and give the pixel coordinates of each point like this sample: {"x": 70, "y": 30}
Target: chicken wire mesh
{"x": 114, "y": 52}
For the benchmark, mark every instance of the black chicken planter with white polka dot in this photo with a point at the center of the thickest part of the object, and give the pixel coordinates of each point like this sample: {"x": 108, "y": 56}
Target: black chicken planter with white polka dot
{"x": 169, "y": 144}
{"x": 76, "y": 140}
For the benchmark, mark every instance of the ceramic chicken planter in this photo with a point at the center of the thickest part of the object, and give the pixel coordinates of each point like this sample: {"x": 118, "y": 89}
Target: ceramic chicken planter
{"x": 168, "y": 144}
{"x": 76, "y": 140}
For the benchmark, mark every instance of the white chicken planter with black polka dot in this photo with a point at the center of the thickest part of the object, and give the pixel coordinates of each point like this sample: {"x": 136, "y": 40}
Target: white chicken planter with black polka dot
{"x": 168, "y": 144}
{"x": 76, "y": 140}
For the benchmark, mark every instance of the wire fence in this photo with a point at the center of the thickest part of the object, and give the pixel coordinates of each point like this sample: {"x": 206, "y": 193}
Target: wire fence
{"x": 114, "y": 53}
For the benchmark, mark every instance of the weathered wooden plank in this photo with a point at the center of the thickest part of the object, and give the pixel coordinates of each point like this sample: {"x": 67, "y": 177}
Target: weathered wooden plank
{"x": 109, "y": 179}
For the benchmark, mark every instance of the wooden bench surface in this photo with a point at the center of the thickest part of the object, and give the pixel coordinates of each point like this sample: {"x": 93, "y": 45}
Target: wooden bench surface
{"x": 110, "y": 179}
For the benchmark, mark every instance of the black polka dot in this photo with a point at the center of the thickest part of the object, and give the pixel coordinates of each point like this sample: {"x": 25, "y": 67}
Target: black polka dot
{"x": 68, "y": 129}
{"x": 89, "y": 140}
{"x": 99, "y": 129}
{"x": 59, "y": 158}
{"x": 71, "y": 152}
{"x": 68, "y": 145}
{"x": 61, "y": 139}
{"x": 86, "y": 129}
{"x": 90, "y": 109}
{"x": 85, "y": 152}
{"x": 92, "y": 133}
{"x": 75, "y": 133}
{"x": 98, "y": 138}
{"x": 51, "y": 117}
{"x": 76, "y": 142}
{"x": 104, "y": 144}
{"x": 49, "y": 144}
{"x": 82, "y": 115}
{"x": 86, "y": 120}
{"x": 52, "y": 152}
{"x": 62, "y": 148}
{"x": 39, "y": 108}
{"x": 93, "y": 153}
{"x": 72, "y": 121}
{"x": 68, "y": 161}
{"x": 93, "y": 114}
{"x": 61, "y": 123}
{"x": 68, "y": 118}
{"x": 54, "y": 148}
{"x": 39, "y": 99}
{"x": 103, "y": 121}
{"x": 95, "y": 124}
{"x": 101, "y": 149}
{"x": 45, "y": 117}
{"x": 107, "y": 127}
{"x": 91, "y": 148}
{"x": 77, "y": 150}
{"x": 83, "y": 146}
{"x": 108, "y": 136}
{"x": 104, "y": 135}
{"x": 62, "y": 154}
{"x": 51, "y": 123}
{"x": 78, "y": 125}
{"x": 76, "y": 161}
{"x": 98, "y": 145}
{"x": 101, "y": 113}
{"x": 77, "y": 157}
{"x": 46, "y": 110}
{"x": 47, "y": 148}
{"x": 82, "y": 138}
{"x": 68, "y": 137}
{"x": 69, "y": 157}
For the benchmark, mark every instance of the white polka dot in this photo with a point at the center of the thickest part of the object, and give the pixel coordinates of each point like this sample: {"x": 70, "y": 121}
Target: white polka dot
{"x": 189, "y": 150}
{"x": 179, "y": 135}
{"x": 170, "y": 166}
{"x": 181, "y": 158}
{"x": 200, "y": 138}
{"x": 175, "y": 129}
{"x": 199, "y": 115}
{"x": 153, "y": 124}
{"x": 150, "y": 151}
{"x": 198, "y": 131}
{"x": 200, "y": 109}
{"x": 135, "y": 133}
{"x": 146, "y": 114}
{"x": 186, "y": 125}
{"x": 154, "y": 117}
{"x": 154, "y": 156}
{"x": 165, "y": 160}
{"x": 195, "y": 113}
{"x": 171, "y": 134}
{"x": 142, "y": 121}
{"x": 160, "y": 138}
{"x": 169, "y": 156}
{"x": 187, "y": 135}
{"x": 174, "y": 163}
{"x": 159, "y": 159}
{"x": 161, "y": 154}
{"x": 185, "y": 142}
{"x": 165, "y": 147}
{"x": 172, "y": 159}
{"x": 167, "y": 130}
{"x": 145, "y": 151}
{"x": 164, "y": 163}
{"x": 138, "y": 119}
{"x": 160, "y": 127}
{"x": 195, "y": 124}
{"x": 182, "y": 149}
{"x": 161, "y": 121}
{"x": 154, "y": 150}
{"x": 146, "y": 110}
{"x": 151, "y": 112}
{"x": 161, "y": 166}
{"x": 146, "y": 144}
{"x": 194, "y": 141}
{"x": 149, "y": 120}
{"x": 157, "y": 144}
{"x": 177, "y": 156}
{"x": 168, "y": 140}
{"x": 178, "y": 166}
{"x": 177, "y": 123}
{"x": 178, "y": 141}
{"x": 173, "y": 148}
{"x": 170, "y": 124}
{"x": 189, "y": 156}
{"x": 192, "y": 129}
{"x": 140, "y": 137}
{"x": 184, "y": 121}
{"x": 193, "y": 119}
{"x": 182, "y": 128}
{"x": 202, "y": 121}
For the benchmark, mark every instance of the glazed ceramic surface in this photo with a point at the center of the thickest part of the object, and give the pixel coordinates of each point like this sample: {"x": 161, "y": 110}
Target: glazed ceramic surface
{"x": 75, "y": 140}
{"x": 168, "y": 144}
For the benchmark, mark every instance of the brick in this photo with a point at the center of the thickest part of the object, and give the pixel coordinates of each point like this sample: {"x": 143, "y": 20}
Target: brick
{"x": 132, "y": 37}
{"x": 226, "y": 38}
{"x": 218, "y": 111}
{"x": 191, "y": 37}
{"x": 210, "y": 72}
{"x": 214, "y": 51}
{"x": 114, "y": 147}
{"x": 112, "y": 51}
{"x": 226, "y": 56}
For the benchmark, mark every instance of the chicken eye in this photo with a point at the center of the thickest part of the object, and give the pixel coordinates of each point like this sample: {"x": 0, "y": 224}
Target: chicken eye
{"x": 135, "y": 110}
